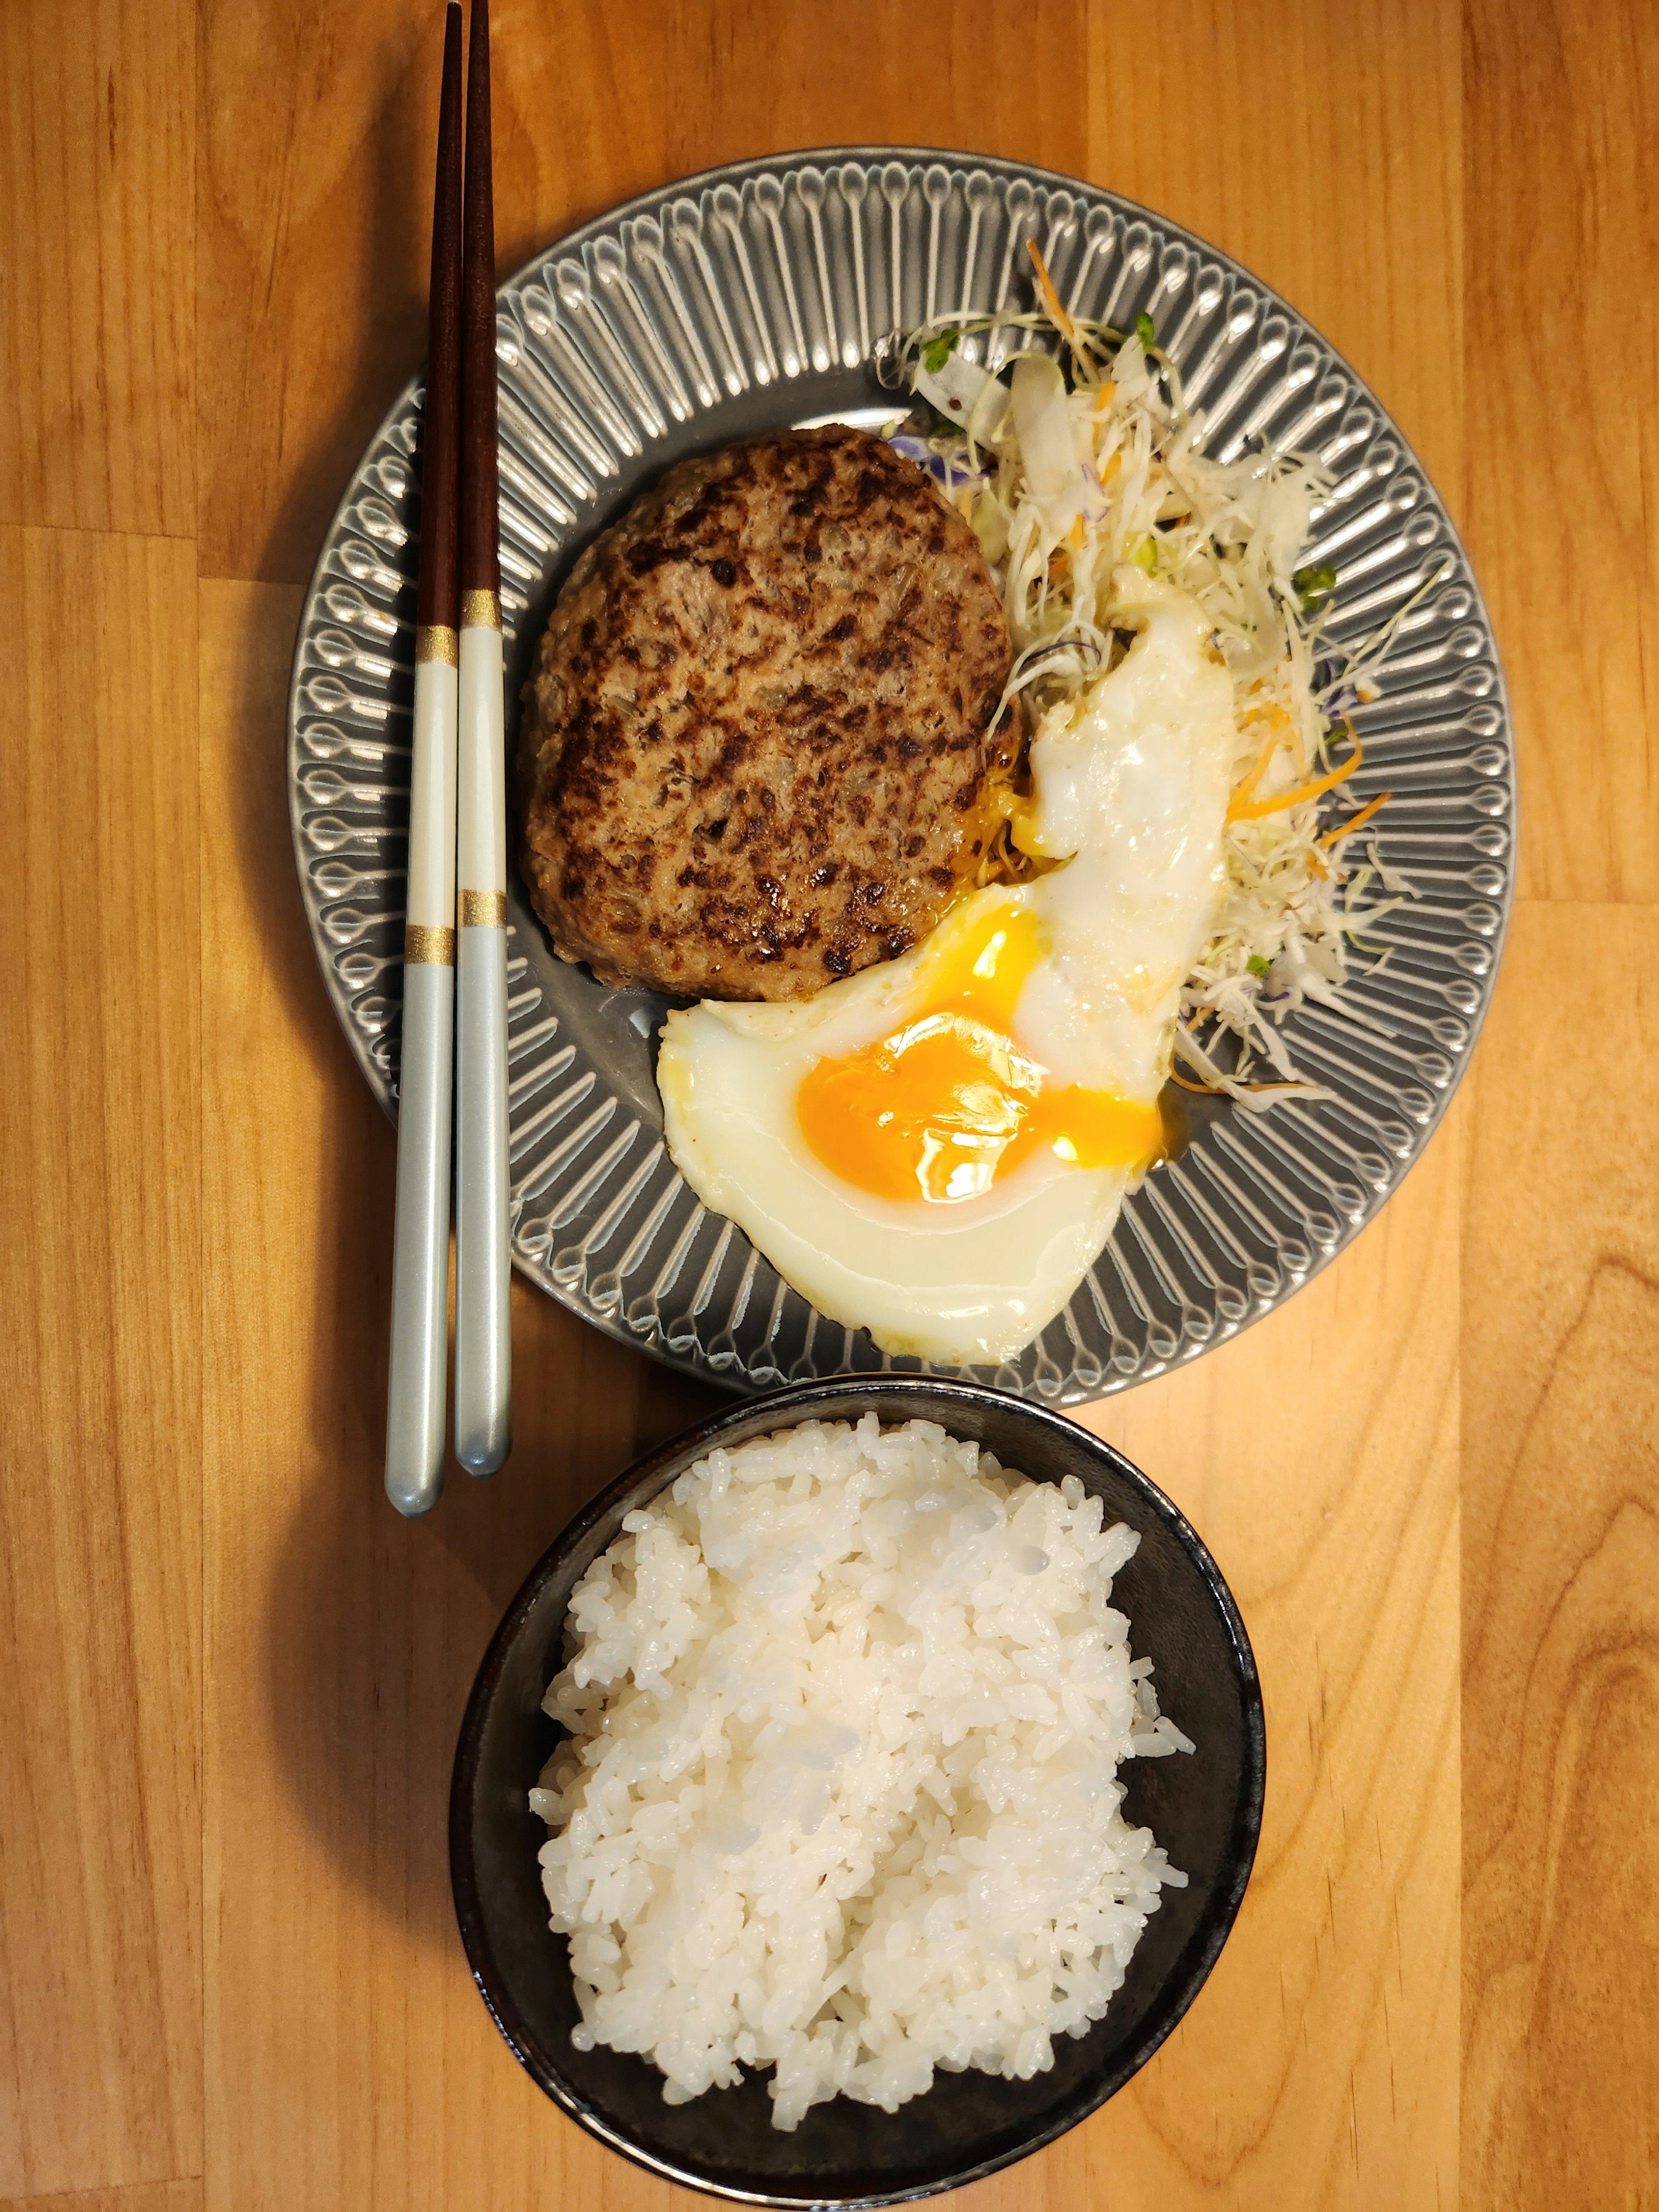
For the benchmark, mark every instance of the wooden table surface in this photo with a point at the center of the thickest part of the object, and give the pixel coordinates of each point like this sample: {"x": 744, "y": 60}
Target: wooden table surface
{"x": 230, "y": 1678}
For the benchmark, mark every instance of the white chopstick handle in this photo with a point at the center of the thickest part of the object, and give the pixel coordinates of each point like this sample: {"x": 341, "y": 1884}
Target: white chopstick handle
{"x": 484, "y": 1336}
{"x": 483, "y": 1259}
{"x": 481, "y": 761}
{"x": 420, "y": 1263}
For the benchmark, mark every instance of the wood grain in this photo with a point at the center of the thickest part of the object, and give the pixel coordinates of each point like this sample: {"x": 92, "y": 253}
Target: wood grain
{"x": 229, "y": 1679}
{"x": 1564, "y": 491}
{"x": 137, "y": 2196}
{"x": 1343, "y": 189}
{"x": 1561, "y": 1586}
{"x": 97, "y": 337}
{"x": 319, "y": 129}
{"x": 1318, "y": 2068}
{"x": 100, "y": 1508}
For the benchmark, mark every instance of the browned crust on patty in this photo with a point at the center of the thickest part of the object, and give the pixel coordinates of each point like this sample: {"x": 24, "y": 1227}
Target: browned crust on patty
{"x": 756, "y": 751}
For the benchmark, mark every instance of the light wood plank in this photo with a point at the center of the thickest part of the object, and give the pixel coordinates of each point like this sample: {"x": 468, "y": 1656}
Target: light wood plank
{"x": 1322, "y": 147}
{"x": 98, "y": 176}
{"x": 100, "y": 1226}
{"x": 1563, "y": 350}
{"x": 1561, "y": 1581}
{"x": 1318, "y": 1455}
{"x": 141, "y": 2196}
{"x": 318, "y": 133}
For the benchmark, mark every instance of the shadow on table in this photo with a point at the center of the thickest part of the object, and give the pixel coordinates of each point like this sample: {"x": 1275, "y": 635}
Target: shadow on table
{"x": 374, "y": 1626}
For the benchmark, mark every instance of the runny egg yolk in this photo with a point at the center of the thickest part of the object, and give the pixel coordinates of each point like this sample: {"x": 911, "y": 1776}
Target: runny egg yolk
{"x": 938, "y": 1109}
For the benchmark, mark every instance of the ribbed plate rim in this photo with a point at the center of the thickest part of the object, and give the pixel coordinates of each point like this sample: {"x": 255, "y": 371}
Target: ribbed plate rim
{"x": 655, "y": 201}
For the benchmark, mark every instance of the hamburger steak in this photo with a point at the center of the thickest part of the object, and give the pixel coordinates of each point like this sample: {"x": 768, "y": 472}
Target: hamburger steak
{"x": 757, "y": 751}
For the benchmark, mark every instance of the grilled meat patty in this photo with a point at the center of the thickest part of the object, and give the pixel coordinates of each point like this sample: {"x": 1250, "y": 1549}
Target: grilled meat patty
{"x": 756, "y": 751}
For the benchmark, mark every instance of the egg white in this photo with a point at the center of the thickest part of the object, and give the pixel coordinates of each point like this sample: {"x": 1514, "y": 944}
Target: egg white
{"x": 1130, "y": 785}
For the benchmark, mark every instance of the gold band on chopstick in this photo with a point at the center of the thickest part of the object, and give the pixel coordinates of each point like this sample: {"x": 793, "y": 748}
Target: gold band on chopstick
{"x": 481, "y": 610}
{"x": 483, "y": 910}
{"x": 427, "y": 946}
{"x": 437, "y": 641}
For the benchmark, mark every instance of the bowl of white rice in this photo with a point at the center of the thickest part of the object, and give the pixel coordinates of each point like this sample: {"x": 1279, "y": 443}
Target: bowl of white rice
{"x": 857, "y": 1793}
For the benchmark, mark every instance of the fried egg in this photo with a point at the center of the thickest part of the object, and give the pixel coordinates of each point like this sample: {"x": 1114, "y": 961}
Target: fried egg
{"x": 936, "y": 1150}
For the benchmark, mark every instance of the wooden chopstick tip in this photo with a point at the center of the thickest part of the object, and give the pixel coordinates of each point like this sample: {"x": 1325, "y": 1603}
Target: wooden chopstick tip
{"x": 480, "y": 518}
{"x": 439, "y": 603}
{"x": 480, "y": 209}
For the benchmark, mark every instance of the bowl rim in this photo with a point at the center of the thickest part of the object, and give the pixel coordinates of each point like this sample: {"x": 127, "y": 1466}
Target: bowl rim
{"x": 791, "y": 1405}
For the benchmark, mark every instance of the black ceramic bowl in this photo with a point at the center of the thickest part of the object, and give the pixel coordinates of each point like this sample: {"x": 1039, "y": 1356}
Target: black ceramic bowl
{"x": 1205, "y": 1809}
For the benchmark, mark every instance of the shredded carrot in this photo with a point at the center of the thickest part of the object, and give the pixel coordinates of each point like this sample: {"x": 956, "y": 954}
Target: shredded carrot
{"x": 1204, "y": 1090}
{"x": 1359, "y": 821}
{"x": 1247, "y": 789}
{"x": 1076, "y": 532}
{"x": 1058, "y": 315}
{"x": 965, "y": 502}
{"x": 1244, "y": 808}
{"x": 1212, "y": 1090}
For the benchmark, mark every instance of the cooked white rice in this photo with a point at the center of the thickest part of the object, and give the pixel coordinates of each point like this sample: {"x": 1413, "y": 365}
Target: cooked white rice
{"x": 846, "y": 1709}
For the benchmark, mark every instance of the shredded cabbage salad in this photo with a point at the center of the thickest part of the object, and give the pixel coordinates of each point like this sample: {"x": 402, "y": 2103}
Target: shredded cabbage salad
{"x": 1068, "y": 464}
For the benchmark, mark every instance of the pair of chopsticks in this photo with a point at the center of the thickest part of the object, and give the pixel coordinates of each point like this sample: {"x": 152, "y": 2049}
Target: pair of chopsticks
{"x": 455, "y": 1025}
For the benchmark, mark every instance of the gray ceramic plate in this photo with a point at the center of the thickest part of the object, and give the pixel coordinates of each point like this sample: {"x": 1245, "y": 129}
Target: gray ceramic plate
{"x": 755, "y": 296}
